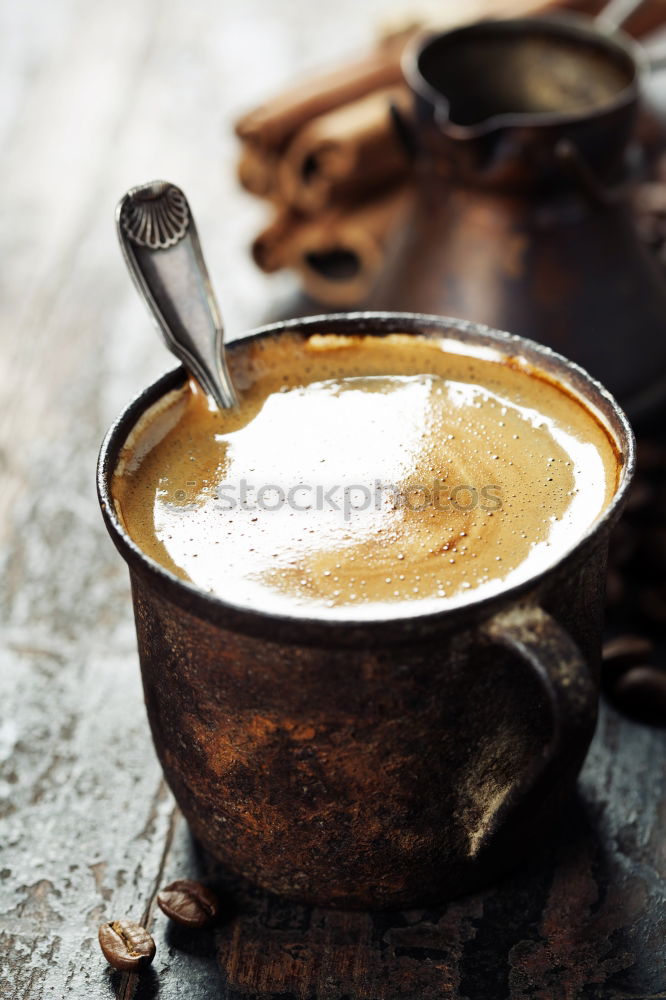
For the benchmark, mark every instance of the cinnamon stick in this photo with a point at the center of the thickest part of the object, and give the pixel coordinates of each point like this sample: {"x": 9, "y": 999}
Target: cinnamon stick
{"x": 340, "y": 254}
{"x": 345, "y": 152}
{"x": 272, "y": 124}
{"x": 257, "y": 171}
{"x": 272, "y": 248}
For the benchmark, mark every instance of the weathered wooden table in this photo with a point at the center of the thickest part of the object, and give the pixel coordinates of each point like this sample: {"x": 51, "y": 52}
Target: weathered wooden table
{"x": 94, "y": 99}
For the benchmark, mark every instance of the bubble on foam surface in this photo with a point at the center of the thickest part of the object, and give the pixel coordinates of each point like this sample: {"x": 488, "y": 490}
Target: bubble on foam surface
{"x": 491, "y": 472}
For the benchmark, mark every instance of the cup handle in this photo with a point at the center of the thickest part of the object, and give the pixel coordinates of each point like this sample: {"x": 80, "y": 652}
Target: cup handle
{"x": 571, "y": 695}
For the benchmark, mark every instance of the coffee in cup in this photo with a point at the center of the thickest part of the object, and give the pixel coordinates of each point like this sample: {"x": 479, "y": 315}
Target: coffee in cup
{"x": 362, "y": 475}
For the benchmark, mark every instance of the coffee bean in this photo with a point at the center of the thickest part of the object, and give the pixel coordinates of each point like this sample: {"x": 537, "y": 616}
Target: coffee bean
{"x": 623, "y": 652}
{"x": 188, "y": 903}
{"x": 651, "y": 198}
{"x": 127, "y": 946}
{"x": 627, "y": 650}
{"x": 641, "y": 693}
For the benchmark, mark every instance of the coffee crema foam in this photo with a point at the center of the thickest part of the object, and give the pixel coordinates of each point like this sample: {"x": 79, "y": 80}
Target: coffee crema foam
{"x": 470, "y": 473}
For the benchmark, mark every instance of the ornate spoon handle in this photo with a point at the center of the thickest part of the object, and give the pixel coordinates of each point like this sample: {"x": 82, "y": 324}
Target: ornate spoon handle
{"x": 162, "y": 251}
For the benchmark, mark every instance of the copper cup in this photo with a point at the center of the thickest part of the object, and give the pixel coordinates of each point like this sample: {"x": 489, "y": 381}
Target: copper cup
{"x": 375, "y": 763}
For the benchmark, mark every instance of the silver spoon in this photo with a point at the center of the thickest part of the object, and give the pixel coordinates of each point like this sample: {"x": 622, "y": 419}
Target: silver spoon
{"x": 162, "y": 251}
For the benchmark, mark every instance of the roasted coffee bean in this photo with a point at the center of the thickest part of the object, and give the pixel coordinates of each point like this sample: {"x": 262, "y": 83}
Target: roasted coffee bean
{"x": 188, "y": 903}
{"x": 623, "y": 652}
{"x": 127, "y": 946}
{"x": 641, "y": 693}
{"x": 650, "y": 198}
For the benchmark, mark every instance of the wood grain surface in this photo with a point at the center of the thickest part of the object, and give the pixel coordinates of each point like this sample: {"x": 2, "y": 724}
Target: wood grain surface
{"x": 94, "y": 98}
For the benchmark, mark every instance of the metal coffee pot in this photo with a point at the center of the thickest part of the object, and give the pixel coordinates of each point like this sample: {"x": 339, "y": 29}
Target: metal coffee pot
{"x": 521, "y": 138}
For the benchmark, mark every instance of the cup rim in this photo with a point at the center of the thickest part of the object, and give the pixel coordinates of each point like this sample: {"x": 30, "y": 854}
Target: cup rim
{"x": 305, "y": 627}
{"x": 569, "y": 24}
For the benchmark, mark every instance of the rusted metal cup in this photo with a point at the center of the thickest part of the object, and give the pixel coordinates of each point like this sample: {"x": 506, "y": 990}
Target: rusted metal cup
{"x": 375, "y": 763}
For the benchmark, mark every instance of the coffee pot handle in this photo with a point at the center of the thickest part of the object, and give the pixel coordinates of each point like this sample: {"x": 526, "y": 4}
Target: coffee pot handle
{"x": 571, "y": 697}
